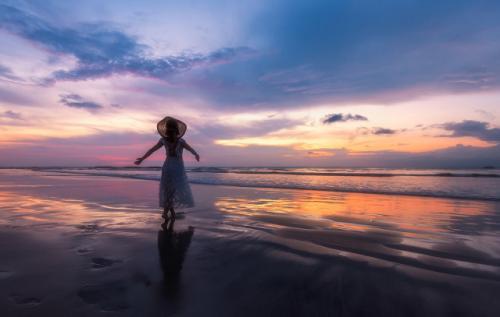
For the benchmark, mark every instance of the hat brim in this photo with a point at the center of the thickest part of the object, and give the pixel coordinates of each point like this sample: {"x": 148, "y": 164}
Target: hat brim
{"x": 162, "y": 127}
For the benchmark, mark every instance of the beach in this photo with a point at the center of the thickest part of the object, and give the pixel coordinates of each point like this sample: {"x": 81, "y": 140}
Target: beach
{"x": 86, "y": 245}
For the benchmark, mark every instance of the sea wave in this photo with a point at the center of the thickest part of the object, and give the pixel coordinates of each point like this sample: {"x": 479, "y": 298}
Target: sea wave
{"x": 352, "y": 187}
{"x": 349, "y": 174}
{"x": 368, "y": 172}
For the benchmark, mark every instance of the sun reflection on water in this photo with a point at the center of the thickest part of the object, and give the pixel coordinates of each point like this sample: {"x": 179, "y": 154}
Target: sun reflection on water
{"x": 24, "y": 210}
{"x": 454, "y": 236}
{"x": 357, "y": 211}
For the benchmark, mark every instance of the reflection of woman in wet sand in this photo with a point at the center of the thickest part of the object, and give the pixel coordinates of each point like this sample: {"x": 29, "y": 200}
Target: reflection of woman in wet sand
{"x": 174, "y": 187}
{"x": 172, "y": 247}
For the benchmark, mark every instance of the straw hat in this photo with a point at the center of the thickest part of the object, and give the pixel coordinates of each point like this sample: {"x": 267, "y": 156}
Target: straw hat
{"x": 162, "y": 126}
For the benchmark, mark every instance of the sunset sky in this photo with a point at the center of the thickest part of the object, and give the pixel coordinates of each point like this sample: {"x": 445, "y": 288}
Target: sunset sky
{"x": 260, "y": 83}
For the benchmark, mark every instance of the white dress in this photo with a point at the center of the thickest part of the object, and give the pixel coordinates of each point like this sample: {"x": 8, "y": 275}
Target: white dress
{"x": 174, "y": 187}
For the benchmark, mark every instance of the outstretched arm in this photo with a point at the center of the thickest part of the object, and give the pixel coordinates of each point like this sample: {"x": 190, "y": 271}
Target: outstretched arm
{"x": 139, "y": 160}
{"x": 190, "y": 149}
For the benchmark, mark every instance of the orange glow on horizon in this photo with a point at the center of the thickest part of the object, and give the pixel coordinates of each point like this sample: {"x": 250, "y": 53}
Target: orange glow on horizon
{"x": 400, "y": 143}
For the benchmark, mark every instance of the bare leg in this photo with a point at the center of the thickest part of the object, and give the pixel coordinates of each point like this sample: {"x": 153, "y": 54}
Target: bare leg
{"x": 165, "y": 213}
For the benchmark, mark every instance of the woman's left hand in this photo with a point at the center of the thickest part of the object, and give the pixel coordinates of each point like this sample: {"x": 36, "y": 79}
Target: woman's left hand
{"x": 138, "y": 161}
{"x": 197, "y": 157}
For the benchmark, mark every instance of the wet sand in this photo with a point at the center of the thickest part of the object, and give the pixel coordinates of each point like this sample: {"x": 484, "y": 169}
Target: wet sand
{"x": 85, "y": 246}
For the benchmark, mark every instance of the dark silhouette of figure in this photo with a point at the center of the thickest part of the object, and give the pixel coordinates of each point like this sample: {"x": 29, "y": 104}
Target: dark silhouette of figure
{"x": 172, "y": 247}
{"x": 175, "y": 191}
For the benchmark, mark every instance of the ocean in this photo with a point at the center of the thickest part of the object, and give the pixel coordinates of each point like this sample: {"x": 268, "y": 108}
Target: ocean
{"x": 476, "y": 184}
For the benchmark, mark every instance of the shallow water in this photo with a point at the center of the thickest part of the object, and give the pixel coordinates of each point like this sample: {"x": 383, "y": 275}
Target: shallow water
{"x": 479, "y": 184}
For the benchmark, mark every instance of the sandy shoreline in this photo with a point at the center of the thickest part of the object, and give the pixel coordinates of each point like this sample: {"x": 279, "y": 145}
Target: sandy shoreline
{"x": 82, "y": 246}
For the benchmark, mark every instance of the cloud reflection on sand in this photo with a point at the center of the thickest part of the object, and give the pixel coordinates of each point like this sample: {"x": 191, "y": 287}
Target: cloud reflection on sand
{"x": 353, "y": 211}
{"x": 413, "y": 231}
{"x": 21, "y": 210}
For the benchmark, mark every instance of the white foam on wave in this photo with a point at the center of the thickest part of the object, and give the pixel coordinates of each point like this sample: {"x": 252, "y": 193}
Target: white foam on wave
{"x": 288, "y": 181}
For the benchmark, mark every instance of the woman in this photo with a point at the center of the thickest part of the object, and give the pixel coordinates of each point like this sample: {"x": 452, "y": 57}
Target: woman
{"x": 174, "y": 188}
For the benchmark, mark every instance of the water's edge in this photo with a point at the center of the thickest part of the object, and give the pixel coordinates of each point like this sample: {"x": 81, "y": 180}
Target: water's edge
{"x": 219, "y": 182}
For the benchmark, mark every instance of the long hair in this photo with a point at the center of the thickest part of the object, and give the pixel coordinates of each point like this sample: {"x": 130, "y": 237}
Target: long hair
{"x": 172, "y": 130}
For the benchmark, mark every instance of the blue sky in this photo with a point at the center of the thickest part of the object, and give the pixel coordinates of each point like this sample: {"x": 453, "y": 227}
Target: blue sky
{"x": 310, "y": 83}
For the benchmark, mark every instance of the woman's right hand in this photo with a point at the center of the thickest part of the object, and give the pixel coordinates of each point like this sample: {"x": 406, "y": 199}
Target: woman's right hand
{"x": 138, "y": 161}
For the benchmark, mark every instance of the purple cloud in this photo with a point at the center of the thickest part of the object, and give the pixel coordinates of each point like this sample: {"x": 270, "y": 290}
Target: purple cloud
{"x": 339, "y": 117}
{"x": 6, "y": 72}
{"x": 76, "y": 101}
{"x": 342, "y": 51}
{"x": 471, "y": 128}
{"x": 102, "y": 50}
{"x": 383, "y": 131}
{"x": 345, "y": 52}
{"x": 11, "y": 115}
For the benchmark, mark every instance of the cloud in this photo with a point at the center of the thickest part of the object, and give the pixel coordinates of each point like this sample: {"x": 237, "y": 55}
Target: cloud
{"x": 101, "y": 50}
{"x": 362, "y": 51}
{"x": 383, "y": 131}
{"x": 339, "y": 117}
{"x": 160, "y": 68}
{"x": 11, "y": 115}
{"x": 471, "y": 128}
{"x": 305, "y": 52}
{"x": 76, "y": 101}
{"x": 6, "y": 73}
{"x": 375, "y": 131}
